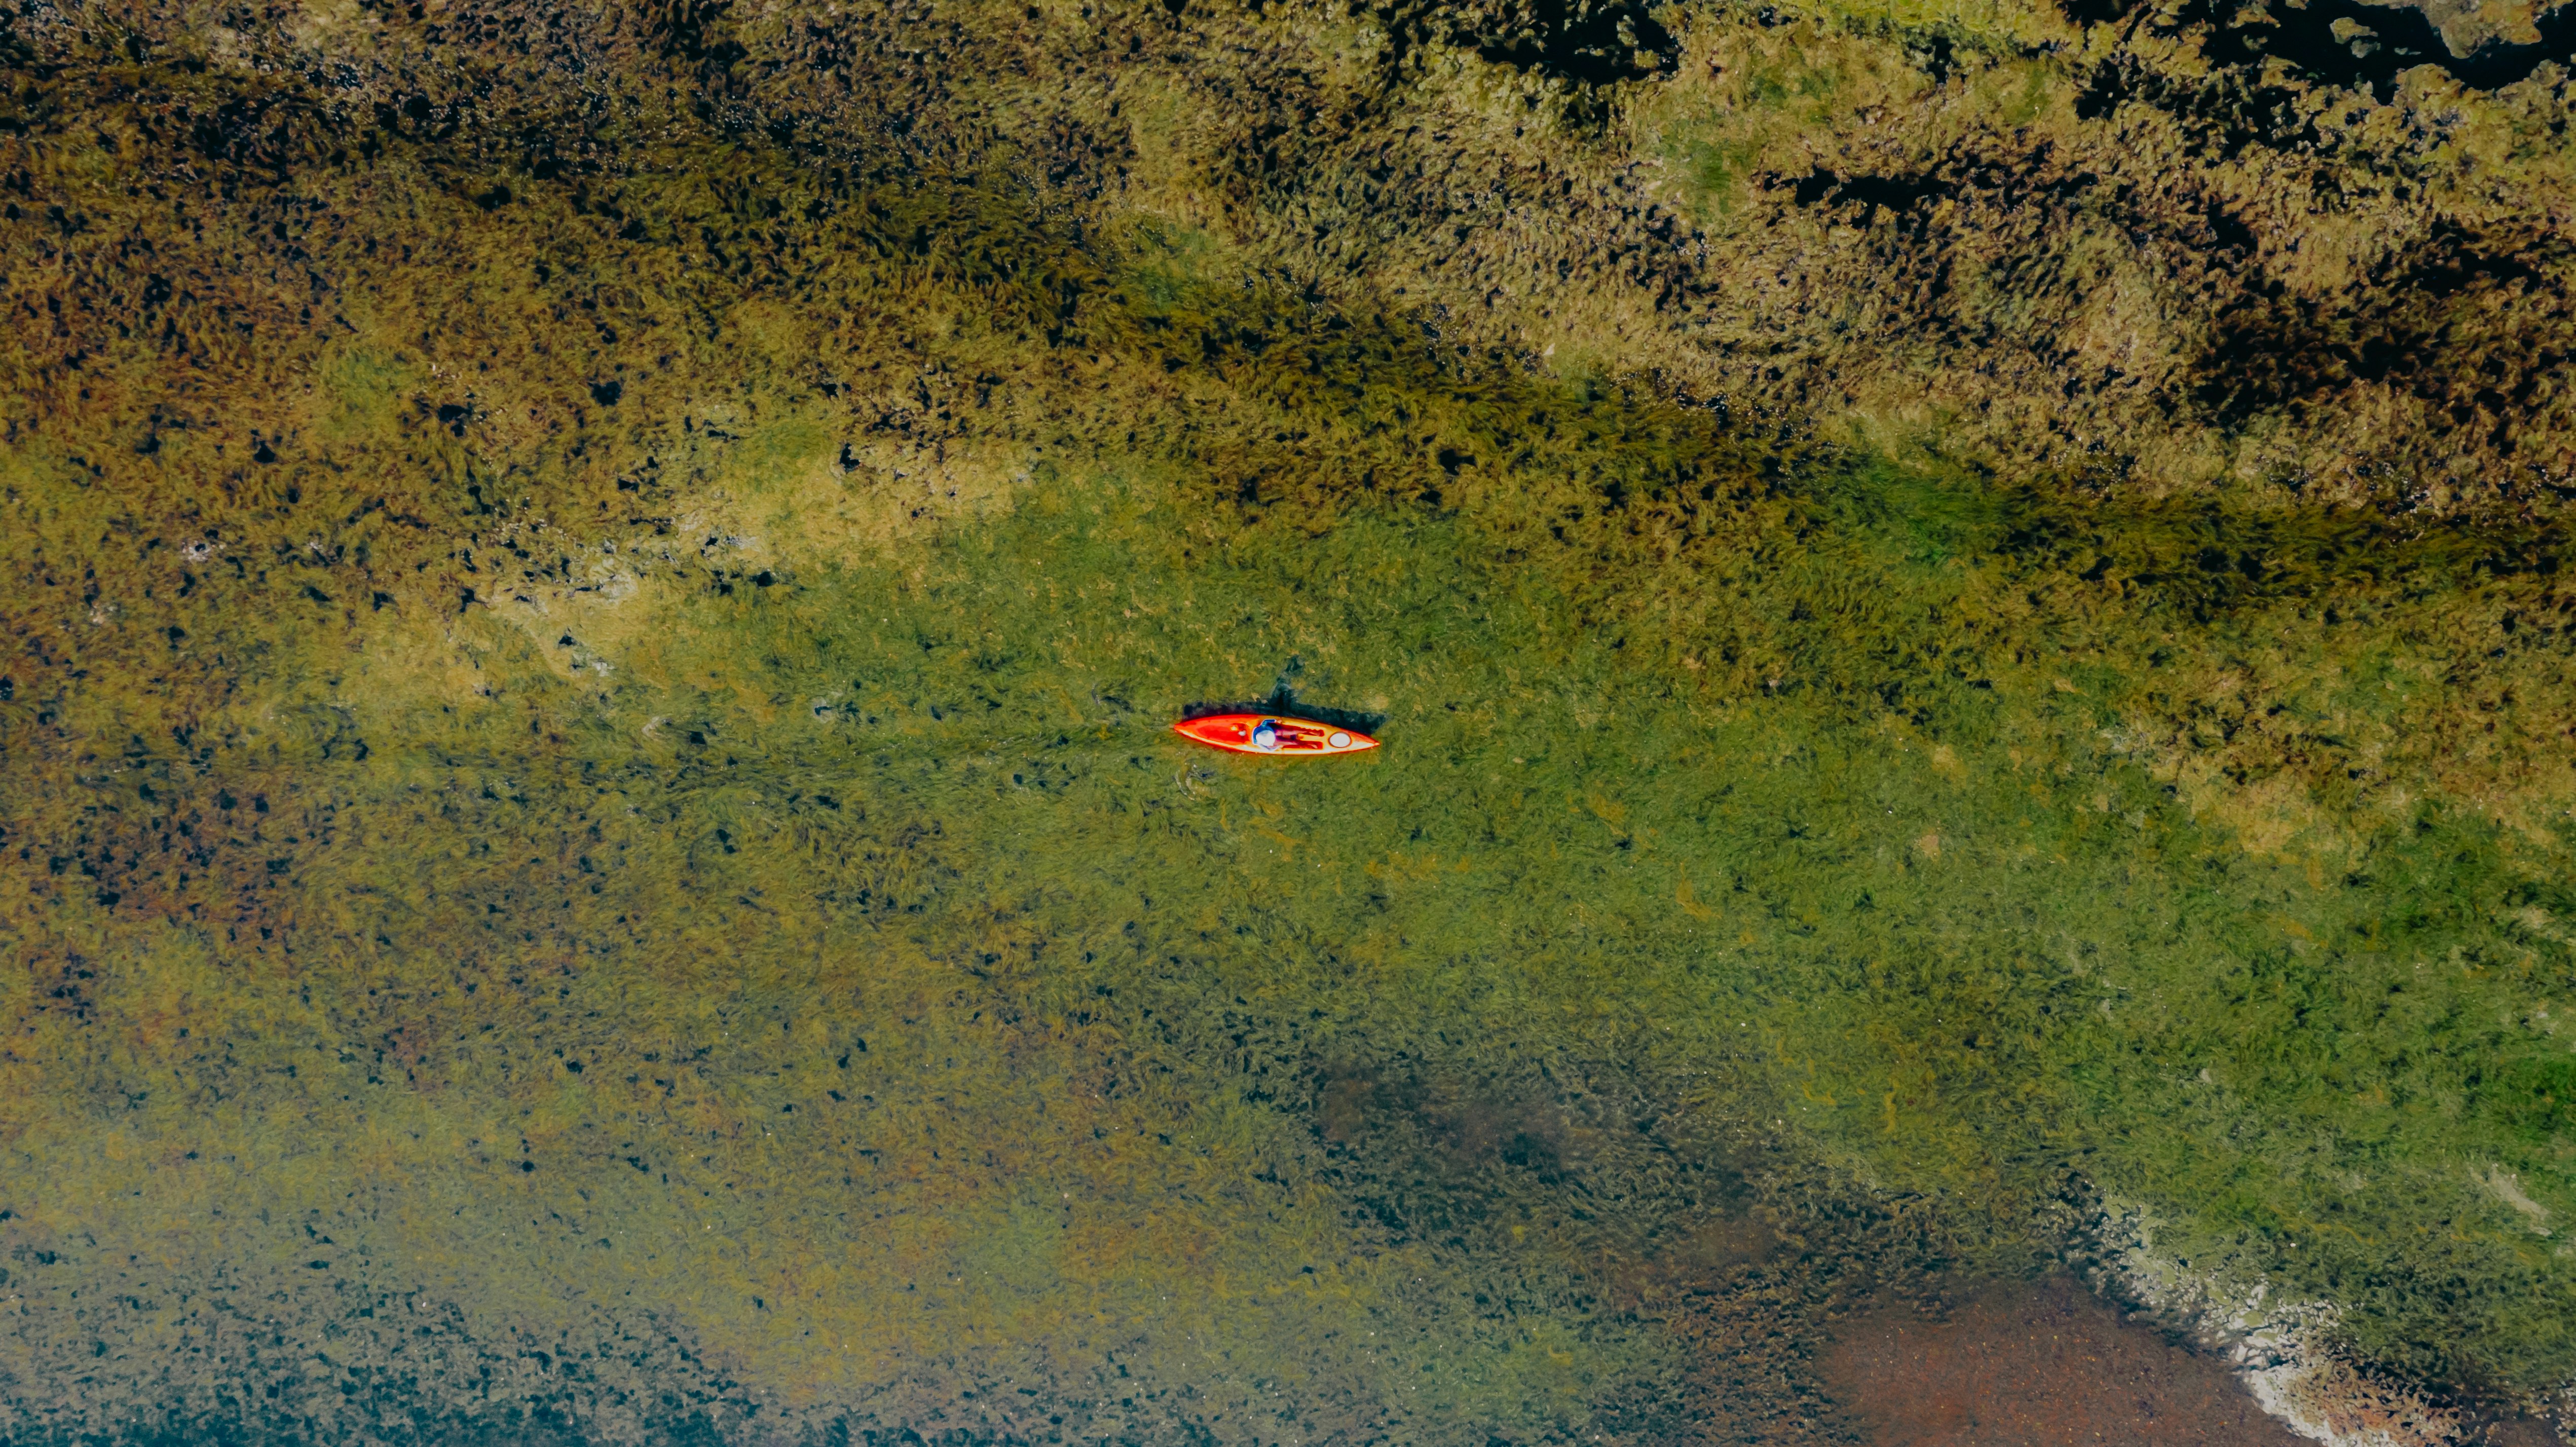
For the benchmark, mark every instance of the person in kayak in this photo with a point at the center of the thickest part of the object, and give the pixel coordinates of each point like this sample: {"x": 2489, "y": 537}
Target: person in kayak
{"x": 1273, "y": 736}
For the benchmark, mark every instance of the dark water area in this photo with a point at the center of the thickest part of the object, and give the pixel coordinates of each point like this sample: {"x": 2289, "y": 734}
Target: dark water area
{"x": 2352, "y": 42}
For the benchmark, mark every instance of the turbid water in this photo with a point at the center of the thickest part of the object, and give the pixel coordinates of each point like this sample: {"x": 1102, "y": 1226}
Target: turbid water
{"x": 594, "y": 846}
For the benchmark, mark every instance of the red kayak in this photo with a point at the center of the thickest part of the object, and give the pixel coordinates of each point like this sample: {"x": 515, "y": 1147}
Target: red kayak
{"x": 1264, "y": 733}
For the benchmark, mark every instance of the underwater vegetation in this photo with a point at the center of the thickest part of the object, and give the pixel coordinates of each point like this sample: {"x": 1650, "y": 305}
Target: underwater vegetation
{"x": 1964, "y": 608}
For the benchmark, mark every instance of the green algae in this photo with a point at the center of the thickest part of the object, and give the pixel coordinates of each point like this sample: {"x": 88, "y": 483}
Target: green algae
{"x": 717, "y": 856}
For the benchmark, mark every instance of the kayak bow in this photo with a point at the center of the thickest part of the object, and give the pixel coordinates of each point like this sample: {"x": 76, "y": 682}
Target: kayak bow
{"x": 1274, "y": 734}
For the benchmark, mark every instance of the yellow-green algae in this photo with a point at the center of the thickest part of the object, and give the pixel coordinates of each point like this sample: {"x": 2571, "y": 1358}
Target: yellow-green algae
{"x": 689, "y": 876}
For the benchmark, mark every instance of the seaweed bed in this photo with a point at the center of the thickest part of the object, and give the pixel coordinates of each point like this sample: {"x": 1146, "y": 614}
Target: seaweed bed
{"x": 1964, "y": 604}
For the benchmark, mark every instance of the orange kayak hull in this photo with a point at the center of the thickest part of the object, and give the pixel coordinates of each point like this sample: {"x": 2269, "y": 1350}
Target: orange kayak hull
{"x": 1278, "y": 736}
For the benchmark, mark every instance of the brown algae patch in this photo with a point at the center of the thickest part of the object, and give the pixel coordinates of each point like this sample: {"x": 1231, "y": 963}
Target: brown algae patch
{"x": 2034, "y": 1365}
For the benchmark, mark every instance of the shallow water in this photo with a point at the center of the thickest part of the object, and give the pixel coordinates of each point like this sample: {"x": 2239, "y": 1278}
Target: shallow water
{"x": 541, "y": 915}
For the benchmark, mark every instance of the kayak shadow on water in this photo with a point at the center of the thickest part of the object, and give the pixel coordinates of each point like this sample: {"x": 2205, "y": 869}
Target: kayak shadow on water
{"x": 1283, "y": 700}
